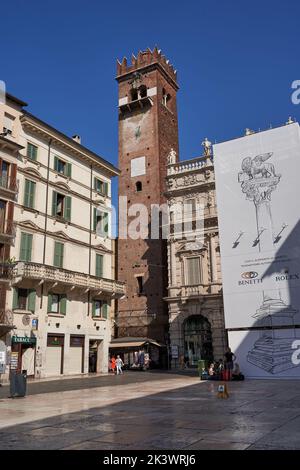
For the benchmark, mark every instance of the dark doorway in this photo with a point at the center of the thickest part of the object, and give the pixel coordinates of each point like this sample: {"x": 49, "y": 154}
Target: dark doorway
{"x": 197, "y": 340}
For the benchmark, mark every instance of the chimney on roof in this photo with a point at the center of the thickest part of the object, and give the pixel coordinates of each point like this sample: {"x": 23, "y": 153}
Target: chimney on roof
{"x": 77, "y": 138}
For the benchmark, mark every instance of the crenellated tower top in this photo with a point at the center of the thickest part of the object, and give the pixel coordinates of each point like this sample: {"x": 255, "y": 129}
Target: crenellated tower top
{"x": 146, "y": 59}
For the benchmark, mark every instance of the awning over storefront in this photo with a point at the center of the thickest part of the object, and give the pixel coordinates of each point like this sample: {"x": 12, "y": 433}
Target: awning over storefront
{"x": 121, "y": 343}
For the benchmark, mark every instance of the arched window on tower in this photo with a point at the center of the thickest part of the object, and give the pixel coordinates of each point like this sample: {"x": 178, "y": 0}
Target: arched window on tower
{"x": 134, "y": 94}
{"x": 165, "y": 98}
{"x": 138, "y": 186}
{"x": 142, "y": 91}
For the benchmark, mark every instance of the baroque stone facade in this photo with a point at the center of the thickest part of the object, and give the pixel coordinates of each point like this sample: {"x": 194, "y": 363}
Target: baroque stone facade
{"x": 196, "y": 319}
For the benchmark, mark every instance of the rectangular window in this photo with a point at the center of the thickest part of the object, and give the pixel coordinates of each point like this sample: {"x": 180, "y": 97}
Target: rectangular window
{"x": 100, "y": 309}
{"x": 100, "y": 222}
{"x": 99, "y": 265}
{"x": 140, "y": 285}
{"x": 26, "y": 246}
{"x": 24, "y": 299}
{"x": 61, "y": 206}
{"x": 193, "y": 271}
{"x": 57, "y": 303}
{"x": 8, "y": 123}
{"x": 32, "y": 151}
{"x": 4, "y": 173}
{"x": 29, "y": 194}
{"x": 101, "y": 186}
{"x": 62, "y": 167}
{"x": 58, "y": 261}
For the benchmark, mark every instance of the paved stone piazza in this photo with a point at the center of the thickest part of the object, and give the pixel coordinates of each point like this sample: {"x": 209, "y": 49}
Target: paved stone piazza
{"x": 151, "y": 410}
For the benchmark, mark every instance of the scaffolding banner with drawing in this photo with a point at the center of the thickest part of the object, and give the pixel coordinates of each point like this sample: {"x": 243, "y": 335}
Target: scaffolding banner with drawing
{"x": 258, "y": 194}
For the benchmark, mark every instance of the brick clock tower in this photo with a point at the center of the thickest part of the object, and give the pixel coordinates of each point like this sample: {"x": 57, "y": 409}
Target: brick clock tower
{"x": 148, "y": 130}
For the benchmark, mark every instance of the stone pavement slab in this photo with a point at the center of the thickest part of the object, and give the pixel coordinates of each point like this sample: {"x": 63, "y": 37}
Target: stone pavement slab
{"x": 159, "y": 412}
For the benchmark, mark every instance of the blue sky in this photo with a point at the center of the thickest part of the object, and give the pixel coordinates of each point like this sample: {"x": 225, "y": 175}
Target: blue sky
{"x": 235, "y": 59}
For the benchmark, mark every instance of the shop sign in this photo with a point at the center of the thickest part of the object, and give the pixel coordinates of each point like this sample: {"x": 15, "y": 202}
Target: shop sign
{"x": 174, "y": 351}
{"x": 23, "y": 339}
{"x": 14, "y": 359}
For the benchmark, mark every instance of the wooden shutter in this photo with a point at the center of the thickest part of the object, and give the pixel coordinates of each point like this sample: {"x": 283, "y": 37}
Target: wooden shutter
{"x": 105, "y": 188}
{"x": 99, "y": 265}
{"x": 68, "y": 170}
{"x": 67, "y": 208}
{"x": 26, "y": 193}
{"x": 58, "y": 254}
{"x": 95, "y": 220}
{"x": 105, "y": 223}
{"x": 93, "y": 308}
{"x": 32, "y": 194}
{"x": 32, "y": 152}
{"x": 54, "y": 203}
{"x": 55, "y": 163}
{"x": 15, "y": 302}
{"x": 31, "y": 300}
{"x": 63, "y": 304}
{"x": 104, "y": 310}
{"x": 25, "y": 247}
{"x": 49, "y": 302}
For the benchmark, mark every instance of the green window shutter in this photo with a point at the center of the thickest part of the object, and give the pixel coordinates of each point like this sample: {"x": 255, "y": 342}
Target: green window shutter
{"x": 68, "y": 170}
{"x": 95, "y": 220}
{"x": 29, "y": 247}
{"x": 32, "y": 194}
{"x": 93, "y": 308}
{"x": 67, "y": 208}
{"x": 58, "y": 255}
{"x": 54, "y": 203}
{"x": 106, "y": 189}
{"x": 104, "y": 310}
{"x": 95, "y": 184}
{"x": 49, "y": 302}
{"x": 99, "y": 265}
{"x": 63, "y": 304}
{"x": 15, "y": 302}
{"x": 29, "y": 194}
{"x": 26, "y": 247}
{"x": 55, "y": 163}
{"x": 32, "y": 152}
{"x": 105, "y": 223}
{"x": 31, "y": 300}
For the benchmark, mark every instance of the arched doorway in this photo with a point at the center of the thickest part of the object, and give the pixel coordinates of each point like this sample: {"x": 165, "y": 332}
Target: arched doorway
{"x": 197, "y": 339}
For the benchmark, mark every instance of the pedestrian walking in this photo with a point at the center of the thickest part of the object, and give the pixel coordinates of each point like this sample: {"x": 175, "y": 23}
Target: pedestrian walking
{"x": 113, "y": 365}
{"x": 119, "y": 364}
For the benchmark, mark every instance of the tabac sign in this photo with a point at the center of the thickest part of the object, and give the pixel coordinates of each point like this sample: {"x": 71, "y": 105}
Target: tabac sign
{"x": 23, "y": 339}
{"x": 258, "y": 193}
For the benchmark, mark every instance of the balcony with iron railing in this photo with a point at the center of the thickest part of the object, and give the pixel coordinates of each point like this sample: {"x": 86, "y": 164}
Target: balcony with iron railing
{"x": 7, "y": 231}
{"x": 64, "y": 277}
{"x": 8, "y": 186}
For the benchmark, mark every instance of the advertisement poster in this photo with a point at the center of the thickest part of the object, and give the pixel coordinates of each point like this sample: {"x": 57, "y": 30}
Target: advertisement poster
{"x": 258, "y": 194}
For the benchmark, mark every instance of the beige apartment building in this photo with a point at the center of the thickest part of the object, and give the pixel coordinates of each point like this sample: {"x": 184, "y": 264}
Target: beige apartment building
{"x": 60, "y": 280}
{"x": 196, "y": 319}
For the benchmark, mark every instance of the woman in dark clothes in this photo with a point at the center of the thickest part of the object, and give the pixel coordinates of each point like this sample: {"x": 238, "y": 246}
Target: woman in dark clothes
{"x": 229, "y": 358}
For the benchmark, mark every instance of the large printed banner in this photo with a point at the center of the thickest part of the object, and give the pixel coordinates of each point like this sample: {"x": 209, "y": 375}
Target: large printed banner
{"x": 258, "y": 198}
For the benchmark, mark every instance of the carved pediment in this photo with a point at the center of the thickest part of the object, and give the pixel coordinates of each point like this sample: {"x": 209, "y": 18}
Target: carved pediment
{"x": 101, "y": 247}
{"x": 62, "y": 185}
{"x": 32, "y": 172}
{"x": 28, "y": 224}
{"x": 193, "y": 245}
{"x": 61, "y": 234}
